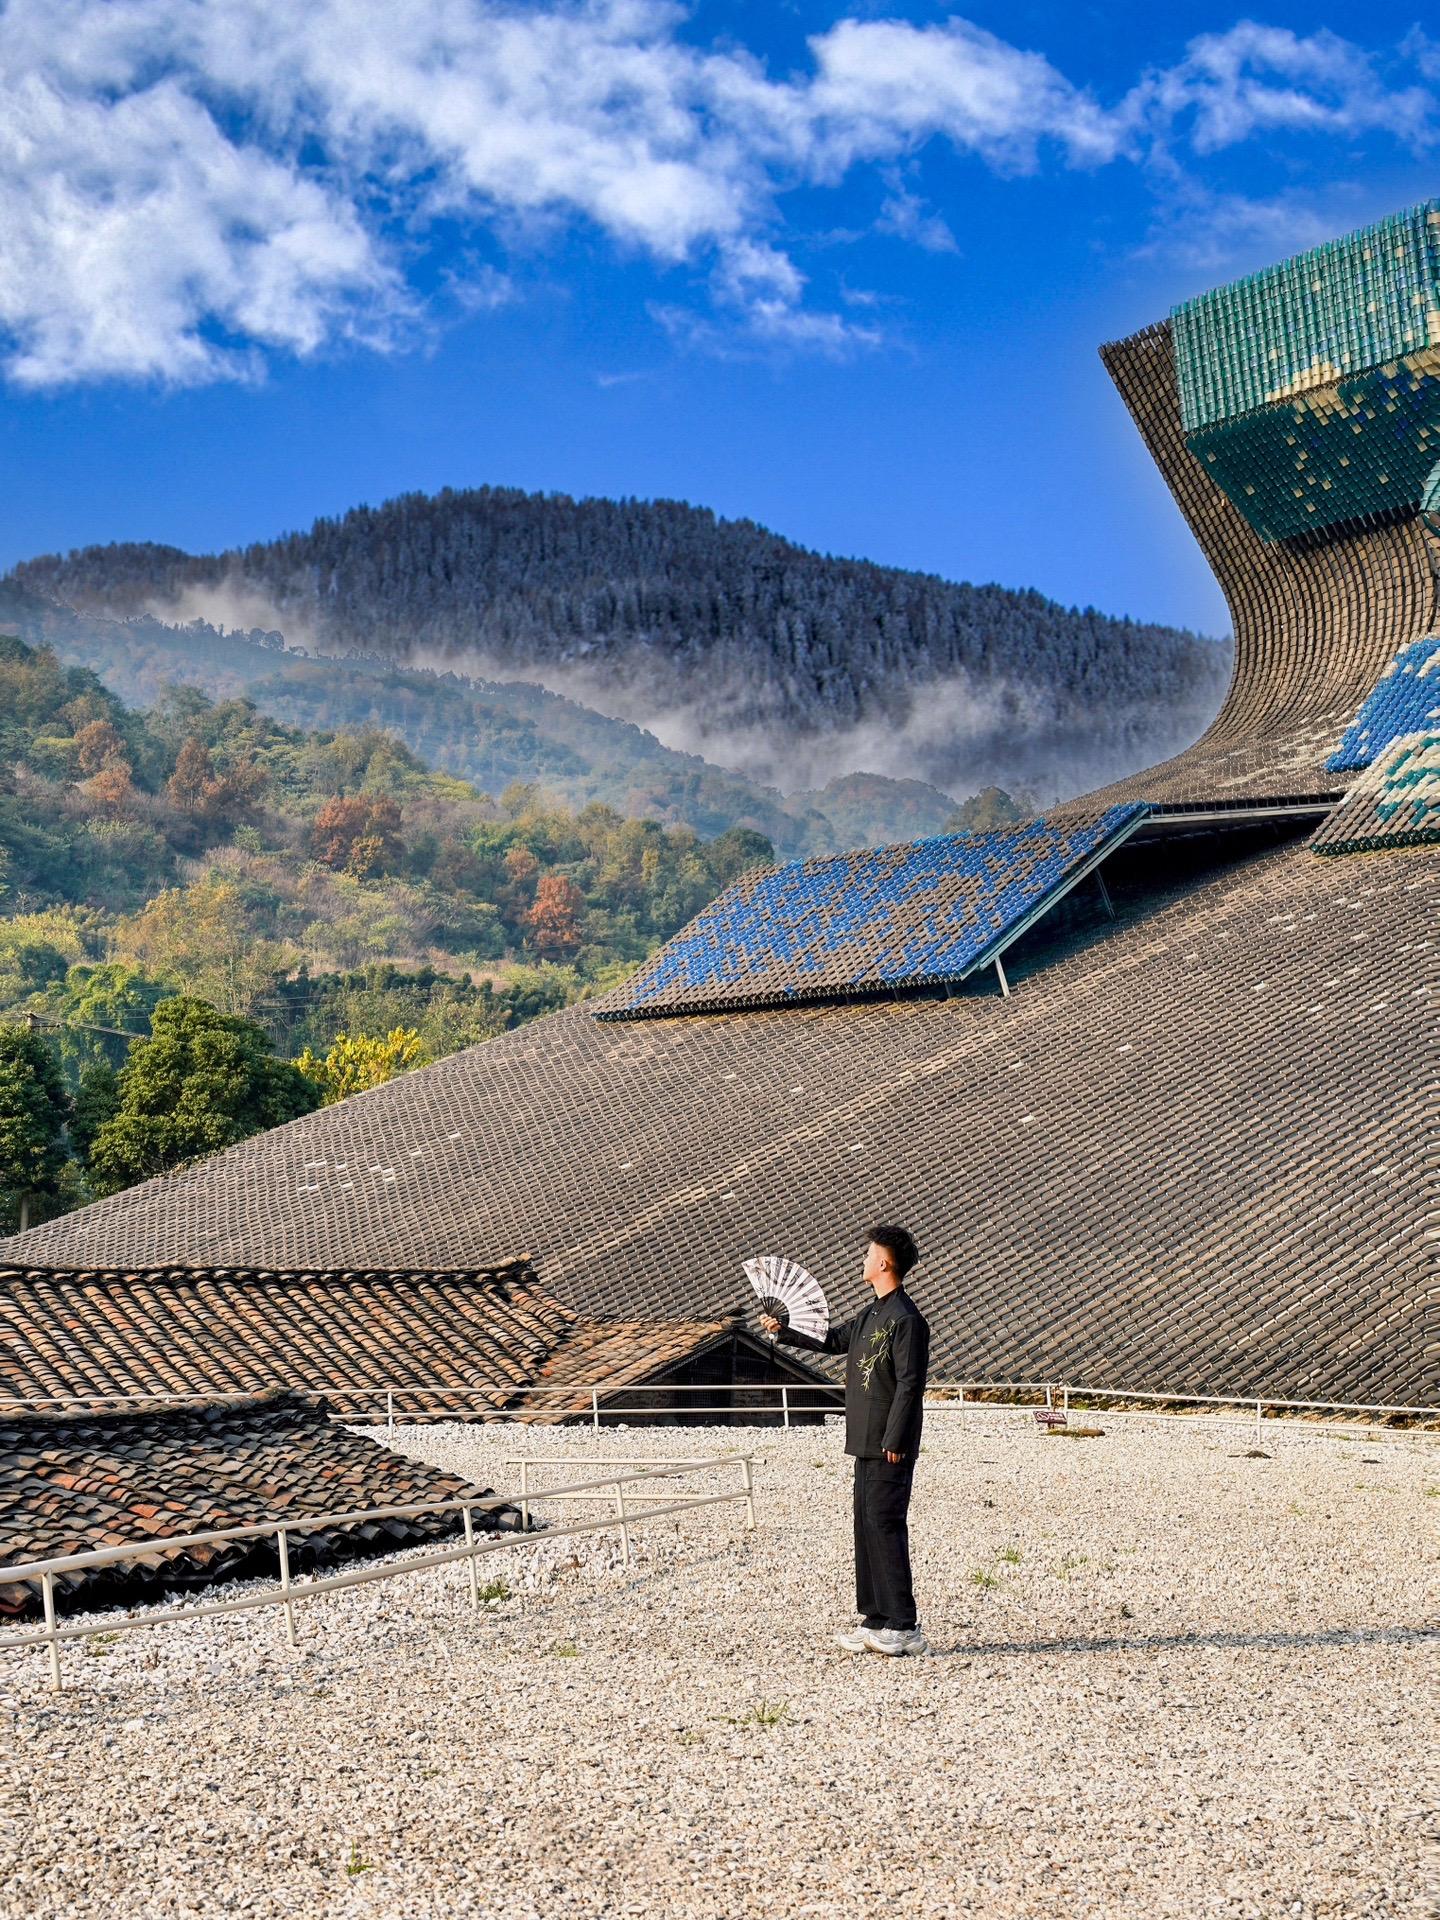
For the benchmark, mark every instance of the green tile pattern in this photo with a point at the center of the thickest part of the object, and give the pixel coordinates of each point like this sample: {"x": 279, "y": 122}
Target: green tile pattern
{"x": 1340, "y": 309}
{"x": 1369, "y": 444}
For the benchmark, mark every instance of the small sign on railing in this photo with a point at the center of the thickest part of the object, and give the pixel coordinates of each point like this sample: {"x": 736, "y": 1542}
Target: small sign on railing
{"x": 1050, "y": 1417}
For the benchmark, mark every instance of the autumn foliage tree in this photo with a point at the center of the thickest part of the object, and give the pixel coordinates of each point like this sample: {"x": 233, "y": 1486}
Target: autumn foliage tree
{"x": 97, "y": 744}
{"x": 555, "y": 923}
{"x": 357, "y": 832}
{"x": 355, "y": 1062}
{"x": 212, "y": 798}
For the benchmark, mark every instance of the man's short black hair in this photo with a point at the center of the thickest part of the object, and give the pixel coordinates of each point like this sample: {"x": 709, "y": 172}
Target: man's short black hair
{"x": 899, "y": 1243}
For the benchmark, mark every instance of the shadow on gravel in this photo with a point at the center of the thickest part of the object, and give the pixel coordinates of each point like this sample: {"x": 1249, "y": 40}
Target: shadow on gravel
{"x": 1154, "y": 1643}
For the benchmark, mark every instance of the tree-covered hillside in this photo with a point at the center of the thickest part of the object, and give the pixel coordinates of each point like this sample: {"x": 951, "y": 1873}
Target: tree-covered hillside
{"x": 318, "y": 880}
{"x": 726, "y": 637}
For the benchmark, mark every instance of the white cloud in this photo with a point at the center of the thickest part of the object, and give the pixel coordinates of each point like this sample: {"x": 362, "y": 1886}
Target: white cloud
{"x": 137, "y": 241}
{"x": 905, "y": 215}
{"x": 1257, "y": 79}
{"x": 187, "y": 186}
{"x": 884, "y": 85}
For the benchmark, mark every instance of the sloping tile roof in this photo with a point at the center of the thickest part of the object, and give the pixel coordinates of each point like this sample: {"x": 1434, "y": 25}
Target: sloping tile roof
{"x": 462, "y": 1344}
{"x": 73, "y": 1483}
{"x": 1188, "y": 1153}
{"x": 926, "y": 912}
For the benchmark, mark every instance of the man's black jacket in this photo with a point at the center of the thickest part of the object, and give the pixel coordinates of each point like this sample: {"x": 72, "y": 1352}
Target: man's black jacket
{"x": 887, "y": 1350}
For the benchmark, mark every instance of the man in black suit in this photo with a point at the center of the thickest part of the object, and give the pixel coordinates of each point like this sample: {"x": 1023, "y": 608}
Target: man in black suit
{"x": 887, "y": 1348}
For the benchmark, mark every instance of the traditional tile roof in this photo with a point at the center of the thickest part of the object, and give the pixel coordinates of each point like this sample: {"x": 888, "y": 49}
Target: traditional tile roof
{"x": 72, "y": 1483}
{"x": 1189, "y": 1151}
{"x": 429, "y": 1345}
{"x": 923, "y": 913}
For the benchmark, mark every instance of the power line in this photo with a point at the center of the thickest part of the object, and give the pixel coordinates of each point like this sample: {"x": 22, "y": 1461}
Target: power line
{"x": 33, "y": 1020}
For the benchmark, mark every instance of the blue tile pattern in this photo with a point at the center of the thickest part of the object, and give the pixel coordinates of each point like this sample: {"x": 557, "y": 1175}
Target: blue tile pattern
{"x": 1404, "y": 700}
{"x": 1394, "y": 803}
{"x": 925, "y": 912}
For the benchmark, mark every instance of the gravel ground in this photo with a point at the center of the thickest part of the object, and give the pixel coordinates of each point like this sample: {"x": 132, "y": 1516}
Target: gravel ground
{"x": 1169, "y": 1680}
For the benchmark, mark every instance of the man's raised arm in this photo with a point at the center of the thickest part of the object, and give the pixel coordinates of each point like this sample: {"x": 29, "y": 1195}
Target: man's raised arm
{"x": 837, "y": 1340}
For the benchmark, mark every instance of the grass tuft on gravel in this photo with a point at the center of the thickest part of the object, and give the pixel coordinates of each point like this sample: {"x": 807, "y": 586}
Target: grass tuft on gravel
{"x": 357, "y": 1863}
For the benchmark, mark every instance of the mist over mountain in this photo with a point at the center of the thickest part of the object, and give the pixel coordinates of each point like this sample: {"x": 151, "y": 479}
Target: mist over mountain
{"x": 717, "y": 636}
{"x": 492, "y": 734}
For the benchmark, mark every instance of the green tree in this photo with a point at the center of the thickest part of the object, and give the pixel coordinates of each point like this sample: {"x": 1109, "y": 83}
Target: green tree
{"x": 202, "y": 1081}
{"x": 34, "y": 1108}
{"x": 97, "y": 1098}
{"x": 357, "y": 1061}
{"x": 985, "y": 811}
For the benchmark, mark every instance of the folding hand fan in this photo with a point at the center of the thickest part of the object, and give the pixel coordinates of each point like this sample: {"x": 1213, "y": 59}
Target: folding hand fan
{"x": 789, "y": 1294}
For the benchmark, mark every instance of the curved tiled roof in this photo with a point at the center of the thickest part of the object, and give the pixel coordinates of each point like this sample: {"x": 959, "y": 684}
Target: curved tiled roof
{"x": 1191, "y": 1153}
{"x": 1316, "y": 622}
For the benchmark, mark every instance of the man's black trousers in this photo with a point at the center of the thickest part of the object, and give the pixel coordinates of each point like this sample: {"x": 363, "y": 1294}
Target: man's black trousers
{"x": 883, "y": 1593}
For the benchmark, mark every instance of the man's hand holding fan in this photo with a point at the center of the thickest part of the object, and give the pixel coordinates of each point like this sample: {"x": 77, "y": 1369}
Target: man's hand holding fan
{"x": 788, "y": 1296}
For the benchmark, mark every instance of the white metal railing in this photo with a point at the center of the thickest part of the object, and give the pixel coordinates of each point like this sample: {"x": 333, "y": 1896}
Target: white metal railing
{"x": 290, "y": 1593}
{"x": 598, "y": 1403}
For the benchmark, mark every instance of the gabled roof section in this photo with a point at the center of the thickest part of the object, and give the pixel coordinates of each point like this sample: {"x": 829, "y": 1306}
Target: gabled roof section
{"x": 922, "y": 913}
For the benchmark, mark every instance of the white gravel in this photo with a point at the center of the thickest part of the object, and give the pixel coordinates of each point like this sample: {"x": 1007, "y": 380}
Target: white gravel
{"x": 1169, "y": 1681}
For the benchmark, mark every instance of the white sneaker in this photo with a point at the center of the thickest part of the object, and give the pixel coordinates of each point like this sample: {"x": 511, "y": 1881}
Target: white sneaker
{"x": 894, "y": 1641}
{"x": 857, "y": 1640}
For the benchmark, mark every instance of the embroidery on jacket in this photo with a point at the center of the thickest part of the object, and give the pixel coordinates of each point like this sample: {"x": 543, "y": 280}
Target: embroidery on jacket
{"x": 881, "y": 1341}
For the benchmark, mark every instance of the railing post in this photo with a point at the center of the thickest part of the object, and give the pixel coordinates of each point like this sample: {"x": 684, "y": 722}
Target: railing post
{"x": 962, "y": 1396}
{"x": 1065, "y": 1400}
{"x": 1049, "y": 1397}
{"x": 47, "y": 1589}
{"x": 525, "y": 1496}
{"x": 1257, "y": 1422}
{"x": 390, "y": 1415}
{"x": 470, "y": 1560}
{"x": 747, "y": 1468}
{"x": 595, "y": 1408}
{"x": 624, "y": 1524}
{"x": 785, "y": 1401}
{"x": 284, "y": 1544}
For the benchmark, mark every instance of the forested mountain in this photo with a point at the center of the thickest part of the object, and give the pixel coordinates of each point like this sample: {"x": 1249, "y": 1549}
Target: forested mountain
{"x": 489, "y": 733}
{"x": 787, "y": 664}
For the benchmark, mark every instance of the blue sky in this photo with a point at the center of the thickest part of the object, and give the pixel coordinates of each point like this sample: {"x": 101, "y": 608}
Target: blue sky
{"x": 839, "y": 268}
